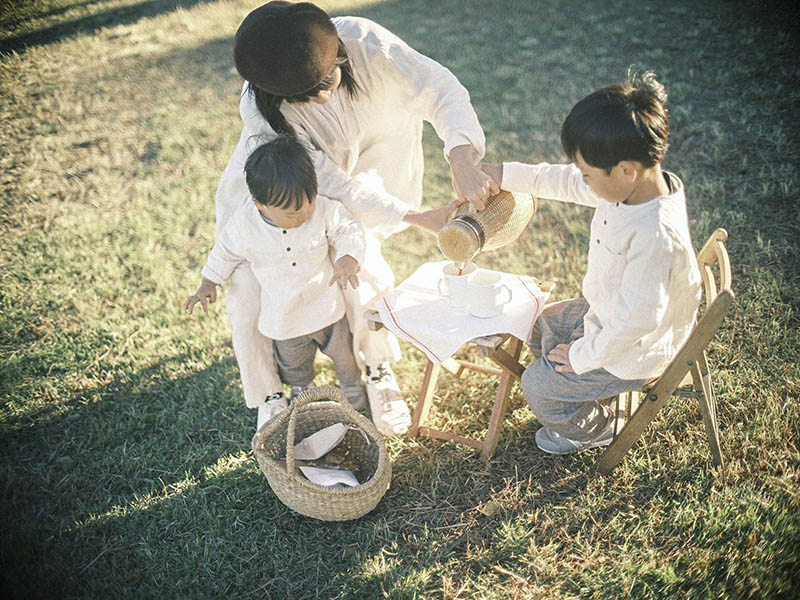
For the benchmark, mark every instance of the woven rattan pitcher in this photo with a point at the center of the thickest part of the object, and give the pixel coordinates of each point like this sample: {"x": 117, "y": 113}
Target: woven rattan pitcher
{"x": 502, "y": 221}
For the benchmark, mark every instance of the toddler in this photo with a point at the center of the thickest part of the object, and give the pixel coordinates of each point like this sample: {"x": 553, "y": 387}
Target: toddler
{"x": 298, "y": 245}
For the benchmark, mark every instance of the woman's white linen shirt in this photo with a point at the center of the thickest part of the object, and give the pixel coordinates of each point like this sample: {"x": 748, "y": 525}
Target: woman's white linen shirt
{"x": 292, "y": 266}
{"x": 367, "y": 149}
{"x": 642, "y": 282}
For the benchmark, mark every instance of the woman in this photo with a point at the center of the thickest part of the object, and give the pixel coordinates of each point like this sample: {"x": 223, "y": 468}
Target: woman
{"x": 357, "y": 95}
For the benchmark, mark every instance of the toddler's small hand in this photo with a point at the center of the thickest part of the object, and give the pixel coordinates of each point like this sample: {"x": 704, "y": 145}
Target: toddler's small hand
{"x": 344, "y": 271}
{"x": 206, "y": 294}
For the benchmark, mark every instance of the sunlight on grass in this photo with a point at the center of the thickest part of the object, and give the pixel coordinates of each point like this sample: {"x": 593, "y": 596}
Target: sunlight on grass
{"x": 226, "y": 464}
{"x": 169, "y": 492}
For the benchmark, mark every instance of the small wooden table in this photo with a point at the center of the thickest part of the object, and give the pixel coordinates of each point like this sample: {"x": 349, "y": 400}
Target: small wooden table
{"x": 504, "y": 351}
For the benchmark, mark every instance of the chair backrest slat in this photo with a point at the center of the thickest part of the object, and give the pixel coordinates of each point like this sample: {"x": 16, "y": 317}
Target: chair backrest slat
{"x": 707, "y": 254}
{"x": 724, "y": 265}
{"x": 709, "y": 283}
{"x": 713, "y": 256}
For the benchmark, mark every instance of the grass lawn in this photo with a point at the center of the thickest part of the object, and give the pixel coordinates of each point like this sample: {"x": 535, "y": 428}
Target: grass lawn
{"x": 125, "y": 455}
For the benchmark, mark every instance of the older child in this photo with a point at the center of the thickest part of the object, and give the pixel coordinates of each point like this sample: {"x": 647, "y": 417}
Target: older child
{"x": 285, "y": 237}
{"x": 642, "y": 286}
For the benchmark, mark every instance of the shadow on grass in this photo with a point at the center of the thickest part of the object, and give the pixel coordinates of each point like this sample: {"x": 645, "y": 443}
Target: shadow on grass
{"x": 109, "y": 18}
{"x": 133, "y": 444}
{"x": 152, "y": 486}
{"x": 31, "y": 10}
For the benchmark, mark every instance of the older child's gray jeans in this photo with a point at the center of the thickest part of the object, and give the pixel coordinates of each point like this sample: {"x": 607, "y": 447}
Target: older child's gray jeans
{"x": 568, "y": 403}
{"x": 295, "y": 359}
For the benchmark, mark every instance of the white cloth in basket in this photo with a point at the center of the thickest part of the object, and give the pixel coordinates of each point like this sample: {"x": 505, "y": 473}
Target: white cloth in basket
{"x": 320, "y": 443}
{"x": 330, "y": 477}
{"x": 415, "y": 311}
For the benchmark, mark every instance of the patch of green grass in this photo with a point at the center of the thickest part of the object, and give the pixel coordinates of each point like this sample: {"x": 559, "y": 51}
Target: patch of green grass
{"x": 125, "y": 456}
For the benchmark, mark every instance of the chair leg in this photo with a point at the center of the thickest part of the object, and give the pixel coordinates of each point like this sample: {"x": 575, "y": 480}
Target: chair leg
{"x": 425, "y": 398}
{"x": 633, "y": 430}
{"x": 702, "y": 381}
{"x": 623, "y": 400}
{"x": 635, "y": 398}
{"x": 625, "y": 405}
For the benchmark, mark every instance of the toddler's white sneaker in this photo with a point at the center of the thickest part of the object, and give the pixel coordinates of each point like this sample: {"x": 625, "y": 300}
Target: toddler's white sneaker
{"x": 271, "y": 408}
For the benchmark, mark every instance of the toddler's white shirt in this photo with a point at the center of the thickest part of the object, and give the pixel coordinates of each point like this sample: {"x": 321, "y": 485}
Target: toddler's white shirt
{"x": 643, "y": 284}
{"x": 292, "y": 266}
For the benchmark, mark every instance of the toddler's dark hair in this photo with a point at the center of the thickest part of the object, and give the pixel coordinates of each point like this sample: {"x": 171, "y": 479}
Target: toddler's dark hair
{"x": 280, "y": 173}
{"x": 624, "y": 121}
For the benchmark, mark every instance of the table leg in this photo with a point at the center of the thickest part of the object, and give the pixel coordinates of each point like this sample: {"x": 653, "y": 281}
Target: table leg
{"x": 501, "y": 397}
{"x": 425, "y": 398}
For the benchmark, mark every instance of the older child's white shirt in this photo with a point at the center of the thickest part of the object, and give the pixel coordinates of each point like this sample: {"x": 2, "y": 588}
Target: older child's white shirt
{"x": 292, "y": 266}
{"x": 642, "y": 283}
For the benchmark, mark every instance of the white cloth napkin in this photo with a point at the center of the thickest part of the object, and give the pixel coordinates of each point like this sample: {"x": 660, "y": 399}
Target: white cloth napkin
{"x": 320, "y": 443}
{"x": 330, "y": 477}
{"x": 415, "y": 311}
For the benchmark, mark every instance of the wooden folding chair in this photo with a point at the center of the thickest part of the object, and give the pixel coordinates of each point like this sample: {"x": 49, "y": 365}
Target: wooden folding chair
{"x": 687, "y": 375}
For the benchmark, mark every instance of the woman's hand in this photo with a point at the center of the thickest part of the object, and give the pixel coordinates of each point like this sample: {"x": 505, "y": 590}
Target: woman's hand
{"x": 470, "y": 183}
{"x": 560, "y": 356}
{"x": 434, "y": 219}
{"x": 205, "y": 294}
{"x": 495, "y": 171}
{"x": 344, "y": 271}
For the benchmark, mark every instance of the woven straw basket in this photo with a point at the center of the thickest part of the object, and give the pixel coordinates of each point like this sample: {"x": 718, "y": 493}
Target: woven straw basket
{"x": 307, "y": 414}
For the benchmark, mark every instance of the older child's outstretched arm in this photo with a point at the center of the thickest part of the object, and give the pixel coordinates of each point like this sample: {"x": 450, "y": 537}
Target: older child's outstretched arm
{"x": 206, "y": 294}
{"x": 555, "y": 182}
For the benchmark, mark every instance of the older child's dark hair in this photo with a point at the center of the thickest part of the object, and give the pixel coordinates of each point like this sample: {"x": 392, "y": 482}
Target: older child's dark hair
{"x": 280, "y": 173}
{"x": 625, "y": 121}
{"x": 269, "y": 105}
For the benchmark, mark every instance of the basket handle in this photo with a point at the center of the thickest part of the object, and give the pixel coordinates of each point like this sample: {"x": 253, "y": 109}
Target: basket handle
{"x": 306, "y": 397}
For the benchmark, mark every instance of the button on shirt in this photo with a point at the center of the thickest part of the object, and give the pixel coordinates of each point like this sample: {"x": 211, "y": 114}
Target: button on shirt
{"x": 642, "y": 283}
{"x": 292, "y": 266}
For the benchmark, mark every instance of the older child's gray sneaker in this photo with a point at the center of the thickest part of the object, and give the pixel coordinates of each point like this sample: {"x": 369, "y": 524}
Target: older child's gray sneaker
{"x": 551, "y": 442}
